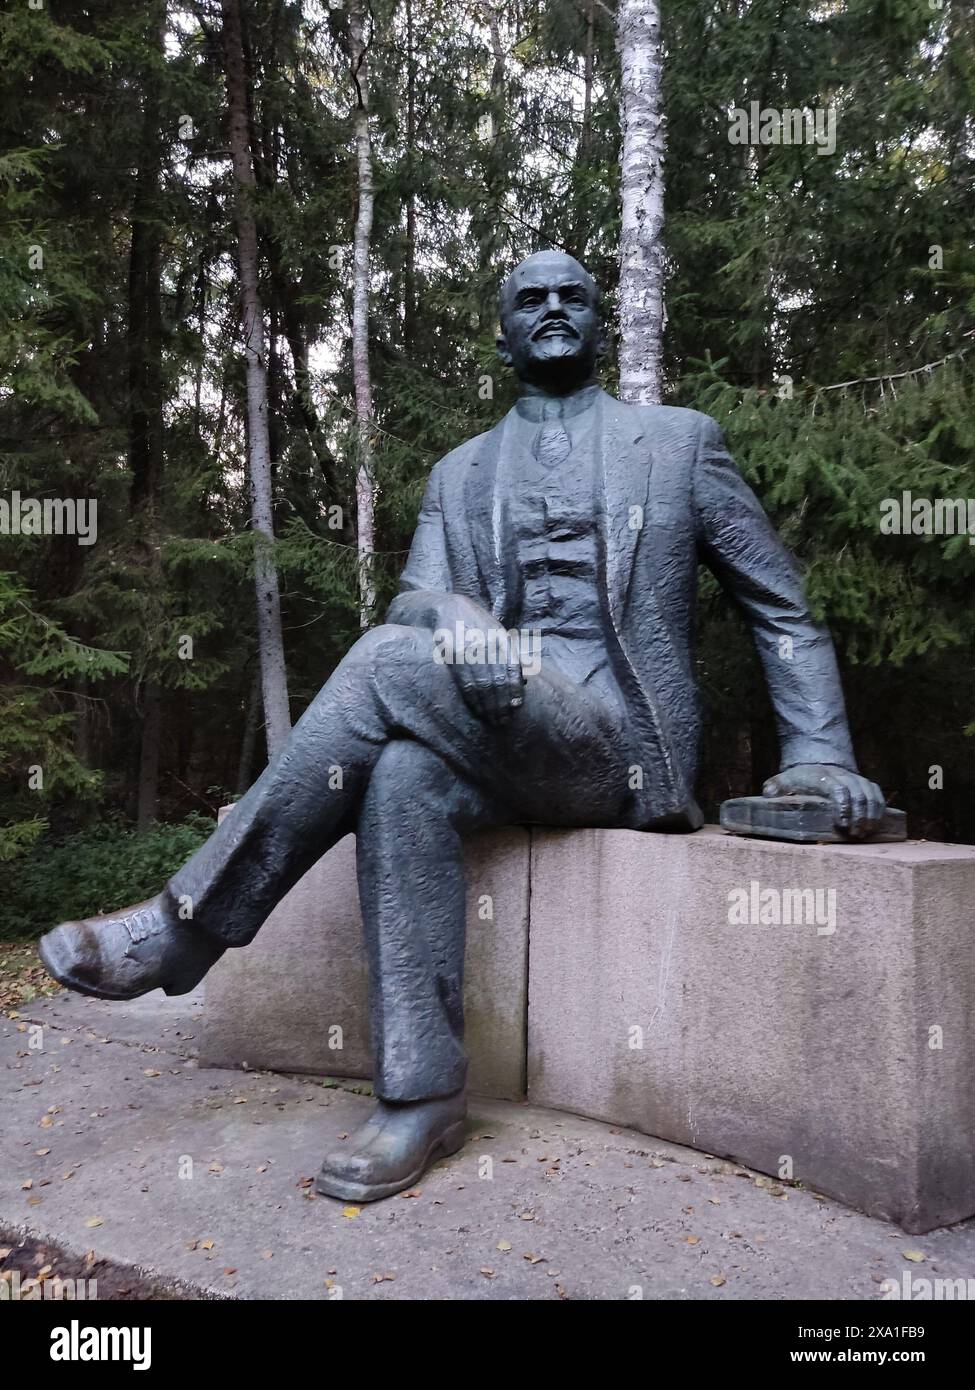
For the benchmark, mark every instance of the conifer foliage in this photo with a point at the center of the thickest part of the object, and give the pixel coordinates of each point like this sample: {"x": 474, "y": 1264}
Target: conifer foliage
{"x": 163, "y": 326}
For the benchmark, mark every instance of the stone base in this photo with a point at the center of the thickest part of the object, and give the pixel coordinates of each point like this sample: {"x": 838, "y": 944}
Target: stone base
{"x": 669, "y": 994}
{"x": 804, "y": 1009}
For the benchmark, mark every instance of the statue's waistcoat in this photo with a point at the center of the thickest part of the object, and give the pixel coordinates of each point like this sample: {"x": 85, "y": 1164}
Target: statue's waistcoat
{"x": 483, "y": 552}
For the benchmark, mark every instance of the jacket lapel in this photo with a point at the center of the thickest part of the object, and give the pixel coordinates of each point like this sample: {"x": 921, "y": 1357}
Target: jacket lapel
{"x": 481, "y": 518}
{"x": 624, "y": 469}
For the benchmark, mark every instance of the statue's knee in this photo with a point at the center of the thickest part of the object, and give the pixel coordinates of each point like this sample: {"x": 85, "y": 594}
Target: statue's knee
{"x": 404, "y": 769}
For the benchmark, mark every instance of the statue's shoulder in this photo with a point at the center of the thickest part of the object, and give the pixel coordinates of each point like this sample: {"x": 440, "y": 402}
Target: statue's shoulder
{"x": 469, "y": 451}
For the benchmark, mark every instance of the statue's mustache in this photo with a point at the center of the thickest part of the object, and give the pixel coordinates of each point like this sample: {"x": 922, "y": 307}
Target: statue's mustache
{"x": 553, "y": 325}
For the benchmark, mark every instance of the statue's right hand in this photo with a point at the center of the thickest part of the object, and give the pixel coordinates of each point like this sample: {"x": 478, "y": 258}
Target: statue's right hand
{"x": 488, "y": 673}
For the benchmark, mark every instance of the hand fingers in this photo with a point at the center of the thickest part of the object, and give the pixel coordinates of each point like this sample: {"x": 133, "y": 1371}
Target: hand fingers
{"x": 471, "y": 690}
{"x": 515, "y": 679}
{"x": 859, "y": 823}
{"x": 492, "y": 691}
{"x": 876, "y": 804}
{"x": 862, "y": 801}
{"x": 509, "y": 691}
{"x": 489, "y": 694}
{"x": 841, "y": 797}
{"x": 500, "y": 698}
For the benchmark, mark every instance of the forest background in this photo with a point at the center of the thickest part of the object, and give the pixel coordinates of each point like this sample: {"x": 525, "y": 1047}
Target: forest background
{"x": 351, "y": 182}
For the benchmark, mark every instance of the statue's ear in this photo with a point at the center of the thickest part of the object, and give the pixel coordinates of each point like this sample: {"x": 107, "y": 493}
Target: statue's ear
{"x": 501, "y": 343}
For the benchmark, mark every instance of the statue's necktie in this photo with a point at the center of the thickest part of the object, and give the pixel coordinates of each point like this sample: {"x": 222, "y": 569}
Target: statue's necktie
{"x": 552, "y": 443}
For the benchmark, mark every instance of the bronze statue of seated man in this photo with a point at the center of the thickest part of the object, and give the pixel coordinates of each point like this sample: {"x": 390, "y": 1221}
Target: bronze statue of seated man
{"x": 571, "y": 532}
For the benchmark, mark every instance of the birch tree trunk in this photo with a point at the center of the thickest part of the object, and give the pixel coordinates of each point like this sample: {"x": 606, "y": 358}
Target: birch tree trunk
{"x": 274, "y": 679}
{"x": 364, "y": 488}
{"x": 583, "y": 159}
{"x": 489, "y": 217}
{"x": 642, "y": 178}
{"x": 409, "y": 262}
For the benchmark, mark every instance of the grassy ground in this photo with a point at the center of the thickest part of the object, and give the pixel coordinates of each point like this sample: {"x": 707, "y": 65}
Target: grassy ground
{"x": 22, "y": 976}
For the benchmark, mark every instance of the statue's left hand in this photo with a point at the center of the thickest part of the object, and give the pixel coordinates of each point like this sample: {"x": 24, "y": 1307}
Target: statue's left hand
{"x": 859, "y": 803}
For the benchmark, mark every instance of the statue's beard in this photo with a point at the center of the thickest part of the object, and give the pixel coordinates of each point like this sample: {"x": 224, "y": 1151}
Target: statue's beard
{"x": 557, "y": 362}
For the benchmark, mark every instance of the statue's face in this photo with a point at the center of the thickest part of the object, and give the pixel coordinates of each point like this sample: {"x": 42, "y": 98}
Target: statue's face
{"x": 550, "y": 330}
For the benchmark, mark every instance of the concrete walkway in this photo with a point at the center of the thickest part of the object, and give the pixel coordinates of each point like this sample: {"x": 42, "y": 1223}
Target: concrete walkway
{"x": 113, "y": 1139}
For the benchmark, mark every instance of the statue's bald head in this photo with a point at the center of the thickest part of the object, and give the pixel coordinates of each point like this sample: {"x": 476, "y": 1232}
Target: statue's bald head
{"x": 538, "y": 268}
{"x": 550, "y": 330}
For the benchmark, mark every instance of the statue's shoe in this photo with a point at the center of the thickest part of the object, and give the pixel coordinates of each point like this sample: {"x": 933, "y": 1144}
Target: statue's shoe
{"x": 129, "y": 953}
{"x": 393, "y": 1149}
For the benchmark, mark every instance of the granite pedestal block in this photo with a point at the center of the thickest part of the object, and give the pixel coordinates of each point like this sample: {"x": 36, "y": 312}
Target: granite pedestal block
{"x": 807, "y": 1010}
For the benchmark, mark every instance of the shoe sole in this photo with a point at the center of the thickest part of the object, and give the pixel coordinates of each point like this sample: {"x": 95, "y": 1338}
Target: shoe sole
{"x": 448, "y": 1143}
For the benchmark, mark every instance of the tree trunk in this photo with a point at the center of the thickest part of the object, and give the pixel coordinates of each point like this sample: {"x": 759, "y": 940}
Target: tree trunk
{"x": 145, "y": 400}
{"x": 583, "y": 160}
{"x": 409, "y": 260}
{"x": 249, "y": 739}
{"x": 488, "y": 230}
{"x": 274, "y": 679}
{"x": 148, "y": 804}
{"x": 642, "y": 178}
{"x": 364, "y": 487}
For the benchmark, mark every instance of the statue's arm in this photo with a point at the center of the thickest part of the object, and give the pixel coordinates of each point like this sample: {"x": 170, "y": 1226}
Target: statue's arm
{"x": 742, "y": 549}
{"x": 426, "y": 596}
{"x": 493, "y": 690}
{"x": 425, "y": 581}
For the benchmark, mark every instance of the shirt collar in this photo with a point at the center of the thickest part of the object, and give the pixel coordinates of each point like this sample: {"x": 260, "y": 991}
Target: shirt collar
{"x": 537, "y": 406}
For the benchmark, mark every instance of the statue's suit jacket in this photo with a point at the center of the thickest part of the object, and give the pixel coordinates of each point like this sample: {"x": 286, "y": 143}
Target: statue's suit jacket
{"x": 668, "y": 498}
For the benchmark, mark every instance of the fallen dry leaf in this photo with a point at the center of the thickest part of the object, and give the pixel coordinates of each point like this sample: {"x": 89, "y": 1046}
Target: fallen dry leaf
{"x": 504, "y": 1244}
{"x": 93, "y": 1221}
{"x": 915, "y": 1256}
{"x": 351, "y": 1212}
{"x": 717, "y": 1280}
